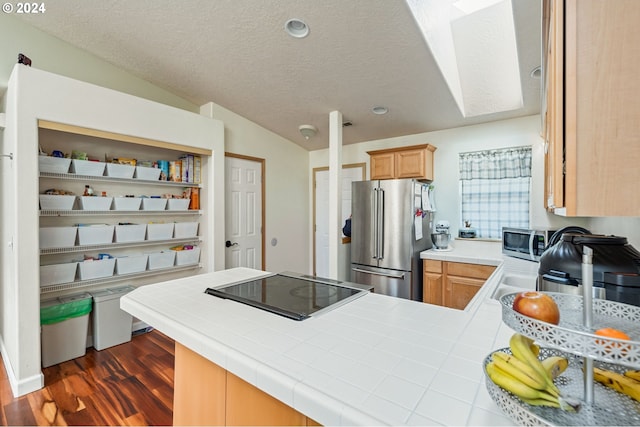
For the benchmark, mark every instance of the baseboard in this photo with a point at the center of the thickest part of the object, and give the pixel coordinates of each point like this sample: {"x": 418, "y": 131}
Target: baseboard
{"x": 22, "y": 387}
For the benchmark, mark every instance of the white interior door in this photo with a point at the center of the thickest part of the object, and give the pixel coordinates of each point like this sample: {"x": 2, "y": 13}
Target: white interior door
{"x": 321, "y": 176}
{"x": 243, "y": 213}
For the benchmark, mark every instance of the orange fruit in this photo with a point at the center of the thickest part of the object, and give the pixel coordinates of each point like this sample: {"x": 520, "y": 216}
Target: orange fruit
{"x": 612, "y": 333}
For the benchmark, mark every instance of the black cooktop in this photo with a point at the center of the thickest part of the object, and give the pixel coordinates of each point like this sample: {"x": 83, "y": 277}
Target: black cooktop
{"x": 291, "y": 295}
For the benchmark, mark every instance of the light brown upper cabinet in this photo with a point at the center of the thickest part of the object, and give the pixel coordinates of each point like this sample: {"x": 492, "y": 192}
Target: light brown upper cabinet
{"x": 591, "y": 107}
{"x": 415, "y": 161}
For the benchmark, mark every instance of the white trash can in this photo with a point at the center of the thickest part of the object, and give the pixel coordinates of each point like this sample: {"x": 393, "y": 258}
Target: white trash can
{"x": 65, "y": 323}
{"x": 111, "y": 325}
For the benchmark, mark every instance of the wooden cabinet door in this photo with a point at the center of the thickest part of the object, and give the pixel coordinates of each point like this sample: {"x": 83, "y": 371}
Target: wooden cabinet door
{"x": 462, "y": 281}
{"x": 382, "y": 166}
{"x": 593, "y": 102}
{"x": 460, "y": 290}
{"x": 554, "y": 104}
{"x": 432, "y": 283}
{"x": 433, "y": 288}
{"x": 410, "y": 164}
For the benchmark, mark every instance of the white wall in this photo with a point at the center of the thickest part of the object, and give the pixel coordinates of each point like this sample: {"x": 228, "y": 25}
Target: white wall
{"x": 619, "y": 226}
{"x": 287, "y": 197}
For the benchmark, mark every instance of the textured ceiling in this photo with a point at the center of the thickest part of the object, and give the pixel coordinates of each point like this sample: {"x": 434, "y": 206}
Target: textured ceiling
{"x": 359, "y": 54}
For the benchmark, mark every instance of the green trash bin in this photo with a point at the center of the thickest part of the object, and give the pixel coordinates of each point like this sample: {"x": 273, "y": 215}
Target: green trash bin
{"x": 65, "y": 323}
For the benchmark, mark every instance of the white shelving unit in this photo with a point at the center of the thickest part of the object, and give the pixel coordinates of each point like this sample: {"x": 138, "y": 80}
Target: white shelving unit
{"x": 66, "y": 139}
{"x": 114, "y": 124}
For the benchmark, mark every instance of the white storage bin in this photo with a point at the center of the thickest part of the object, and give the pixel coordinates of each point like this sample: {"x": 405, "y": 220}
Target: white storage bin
{"x": 55, "y": 274}
{"x": 185, "y": 230}
{"x": 159, "y": 260}
{"x": 120, "y": 171}
{"x": 87, "y": 167}
{"x": 178, "y": 204}
{"x": 57, "y": 237}
{"x": 188, "y": 256}
{"x": 95, "y": 234}
{"x": 95, "y": 203}
{"x": 95, "y": 269}
{"x": 127, "y": 203}
{"x": 159, "y": 231}
{"x": 130, "y": 233}
{"x": 65, "y": 339}
{"x": 147, "y": 174}
{"x": 54, "y": 164}
{"x": 49, "y": 201}
{"x": 131, "y": 264}
{"x": 111, "y": 325}
{"x": 153, "y": 204}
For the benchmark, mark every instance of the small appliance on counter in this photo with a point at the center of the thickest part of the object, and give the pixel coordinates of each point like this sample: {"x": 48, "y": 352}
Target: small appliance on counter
{"x": 467, "y": 232}
{"x": 529, "y": 244}
{"x": 441, "y": 237}
{"x": 616, "y": 267}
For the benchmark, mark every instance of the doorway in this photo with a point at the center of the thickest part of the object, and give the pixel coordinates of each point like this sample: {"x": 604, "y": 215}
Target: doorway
{"x": 350, "y": 173}
{"x": 244, "y": 211}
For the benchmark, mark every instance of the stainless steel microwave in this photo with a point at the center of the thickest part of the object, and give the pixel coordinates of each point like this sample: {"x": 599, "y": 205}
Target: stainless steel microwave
{"x": 524, "y": 243}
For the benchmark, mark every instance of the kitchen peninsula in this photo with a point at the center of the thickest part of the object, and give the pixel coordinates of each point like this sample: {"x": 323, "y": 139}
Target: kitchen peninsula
{"x": 376, "y": 360}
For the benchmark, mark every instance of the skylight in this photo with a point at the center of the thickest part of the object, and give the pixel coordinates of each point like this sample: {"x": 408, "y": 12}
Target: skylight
{"x": 474, "y": 44}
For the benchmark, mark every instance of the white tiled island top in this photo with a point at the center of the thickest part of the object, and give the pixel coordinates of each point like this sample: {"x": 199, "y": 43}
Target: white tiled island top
{"x": 374, "y": 361}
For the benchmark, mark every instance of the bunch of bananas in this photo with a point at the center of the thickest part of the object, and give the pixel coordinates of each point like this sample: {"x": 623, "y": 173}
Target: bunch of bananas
{"x": 527, "y": 377}
{"x": 628, "y": 384}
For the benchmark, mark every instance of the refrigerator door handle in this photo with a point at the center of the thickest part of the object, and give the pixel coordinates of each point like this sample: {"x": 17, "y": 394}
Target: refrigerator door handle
{"x": 380, "y": 249}
{"x": 374, "y": 229}
{"x": 395, "y": 276}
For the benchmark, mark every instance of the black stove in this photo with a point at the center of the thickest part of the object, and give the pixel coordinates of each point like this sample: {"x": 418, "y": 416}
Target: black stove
{"x": 291, "y": 295}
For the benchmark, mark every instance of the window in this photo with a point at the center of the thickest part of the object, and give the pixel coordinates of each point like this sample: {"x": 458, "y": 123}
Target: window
{"x": 494, "y": 189}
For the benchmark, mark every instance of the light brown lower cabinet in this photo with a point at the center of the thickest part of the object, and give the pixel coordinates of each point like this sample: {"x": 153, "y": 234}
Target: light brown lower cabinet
{"x": 453, "y": 284}
{"x": 206, "y": 394}
{"x": 432, "y": 283}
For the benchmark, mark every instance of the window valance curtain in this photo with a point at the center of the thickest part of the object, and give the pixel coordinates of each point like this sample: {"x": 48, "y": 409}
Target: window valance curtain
{"x": 512, "y": 162}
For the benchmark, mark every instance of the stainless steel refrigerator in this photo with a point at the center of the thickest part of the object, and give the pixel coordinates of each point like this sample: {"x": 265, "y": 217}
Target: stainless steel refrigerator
{"x": 388, "y": 232}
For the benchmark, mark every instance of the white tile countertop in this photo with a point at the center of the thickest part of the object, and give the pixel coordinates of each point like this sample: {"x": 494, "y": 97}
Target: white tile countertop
{"x": 377, "y": 360}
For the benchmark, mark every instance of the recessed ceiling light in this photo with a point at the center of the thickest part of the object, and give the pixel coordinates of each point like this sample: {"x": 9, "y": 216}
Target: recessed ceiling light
{"x": 296, "y": 28}
{"x": 380, "y": 110}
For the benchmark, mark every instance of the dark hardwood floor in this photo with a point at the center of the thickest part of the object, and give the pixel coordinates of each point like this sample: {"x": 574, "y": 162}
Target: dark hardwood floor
{"x": 129, "y": 384}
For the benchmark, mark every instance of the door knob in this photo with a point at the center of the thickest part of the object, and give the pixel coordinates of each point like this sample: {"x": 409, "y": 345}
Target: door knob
{"x": 229, "y": 244}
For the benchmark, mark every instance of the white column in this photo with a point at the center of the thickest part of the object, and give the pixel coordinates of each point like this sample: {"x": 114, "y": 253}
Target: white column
{"x": 215, "y": 210}
{"x": 335, "y": 191}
